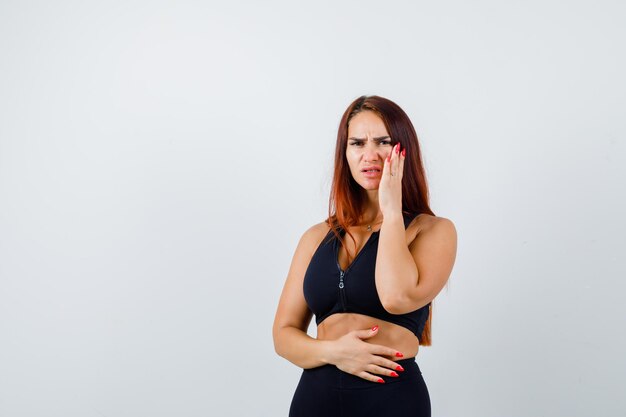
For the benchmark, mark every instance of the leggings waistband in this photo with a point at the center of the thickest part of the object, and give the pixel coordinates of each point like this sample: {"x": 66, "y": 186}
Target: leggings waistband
{"x": 336, "y": 378}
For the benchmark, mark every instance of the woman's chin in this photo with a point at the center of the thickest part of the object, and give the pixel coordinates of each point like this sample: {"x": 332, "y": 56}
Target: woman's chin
{"x": 370, "y": 186}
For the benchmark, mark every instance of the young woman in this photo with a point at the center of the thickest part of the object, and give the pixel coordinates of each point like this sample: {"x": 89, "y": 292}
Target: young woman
{"x": 371, "y": 295}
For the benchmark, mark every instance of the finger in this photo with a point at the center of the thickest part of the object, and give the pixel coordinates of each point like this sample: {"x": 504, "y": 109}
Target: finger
{"x": 385, "y": 351}
{"x": 386, "y": 165}
{"x": 401, "y": 163}
{"x": 386, "y": 364}
{"x": 370, "y": 377}
{"x": 395, "y": 159}
{"x": 379, "y": 370}
{"x": 366, "y": 334}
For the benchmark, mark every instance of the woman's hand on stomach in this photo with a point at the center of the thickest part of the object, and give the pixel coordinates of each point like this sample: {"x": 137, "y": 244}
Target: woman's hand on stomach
{"x": 388, "y": 334}
{"x": 353, "y": 355}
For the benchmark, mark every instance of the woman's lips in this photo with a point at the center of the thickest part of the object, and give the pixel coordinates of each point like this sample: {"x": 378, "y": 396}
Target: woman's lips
{"x": 371, "y": 172}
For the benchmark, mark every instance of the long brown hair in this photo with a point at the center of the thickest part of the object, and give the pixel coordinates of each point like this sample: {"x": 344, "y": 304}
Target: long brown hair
{"x": 347, "y": 197}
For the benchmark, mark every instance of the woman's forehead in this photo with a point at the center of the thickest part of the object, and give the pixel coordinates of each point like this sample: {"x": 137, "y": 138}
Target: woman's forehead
{"x": 366, "y": 123}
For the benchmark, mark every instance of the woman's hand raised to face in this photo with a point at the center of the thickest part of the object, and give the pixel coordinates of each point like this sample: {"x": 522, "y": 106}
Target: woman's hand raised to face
{"x": 363, "y": 359}
{"x": 390, "y": 188}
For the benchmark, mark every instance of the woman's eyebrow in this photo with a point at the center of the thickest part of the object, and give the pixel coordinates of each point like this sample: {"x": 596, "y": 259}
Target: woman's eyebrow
{"x": 376, "y": 139}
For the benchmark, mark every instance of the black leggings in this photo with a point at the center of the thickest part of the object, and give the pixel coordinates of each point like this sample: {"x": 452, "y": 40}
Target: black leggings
{"x": 326, "y": 391}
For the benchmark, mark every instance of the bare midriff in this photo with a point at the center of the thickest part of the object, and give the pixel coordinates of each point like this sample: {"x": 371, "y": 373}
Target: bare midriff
{"x": 389, "y": 334}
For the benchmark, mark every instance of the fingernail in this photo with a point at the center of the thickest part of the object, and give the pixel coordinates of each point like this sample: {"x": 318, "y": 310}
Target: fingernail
{"x": 381, "y": 380}
{"x": 404, "y": 152}
{"x": 399, "y": 355}
{"x": 399, "y": 368}
{"x": 397, "y": 147}
{"x": 394, "y": 374}
{"x": 374, "y": 328}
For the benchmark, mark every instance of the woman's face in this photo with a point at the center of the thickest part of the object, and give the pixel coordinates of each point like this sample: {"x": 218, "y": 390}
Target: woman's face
{"x": 368, "y": 146}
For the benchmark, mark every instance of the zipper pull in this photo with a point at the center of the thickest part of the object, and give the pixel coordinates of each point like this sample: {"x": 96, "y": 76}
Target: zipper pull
{"x": 340, "y": 279}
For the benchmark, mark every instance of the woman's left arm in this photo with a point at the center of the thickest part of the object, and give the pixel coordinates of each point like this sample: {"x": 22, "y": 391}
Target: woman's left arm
{"x": 410, "y": 276}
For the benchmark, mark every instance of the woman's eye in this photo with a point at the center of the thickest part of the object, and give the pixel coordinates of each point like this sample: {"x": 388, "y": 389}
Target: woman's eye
{"x": 385, "y": 142}
{"x": 356, "y": 143}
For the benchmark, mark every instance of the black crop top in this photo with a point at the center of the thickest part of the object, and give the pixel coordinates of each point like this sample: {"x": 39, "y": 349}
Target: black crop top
{"x": 329, "y": 290}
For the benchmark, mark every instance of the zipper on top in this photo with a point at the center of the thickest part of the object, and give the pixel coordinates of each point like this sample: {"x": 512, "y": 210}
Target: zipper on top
{"x": 342, "y": 273}
{"x": 336, "y": 254}
{"x": 342, "y": 292}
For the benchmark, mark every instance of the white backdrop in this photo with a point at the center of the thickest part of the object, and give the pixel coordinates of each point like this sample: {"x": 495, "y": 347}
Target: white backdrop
{"x": 160, "y": 160}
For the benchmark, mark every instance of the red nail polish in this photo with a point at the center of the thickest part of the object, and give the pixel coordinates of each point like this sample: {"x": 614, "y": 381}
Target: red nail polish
{"x": 394, "y": 374}
{"x": 399, "y": 355}
{"x": 404, "y": 152}
{"x": 374, "y": 328}
{"x": 397, "y": 148}
{"x": 381, "y": 380}
{"x": 399, "y": 368}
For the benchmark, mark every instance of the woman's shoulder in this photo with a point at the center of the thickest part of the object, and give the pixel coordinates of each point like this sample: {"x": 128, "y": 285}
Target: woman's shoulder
{"x": 314, "y": 235}
{"x": 425, "y": 221}
{"x": 428, "y": 219}
{"x": 319, "y": 230}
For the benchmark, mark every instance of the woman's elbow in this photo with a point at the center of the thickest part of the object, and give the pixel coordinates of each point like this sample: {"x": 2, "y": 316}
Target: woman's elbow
{"x": 281, "y": 342}
{"x": 279, "y": 351}
{"x": 400, "y": 303}
{"x": 278, "y": 346}
{"x": 394, "y": 303}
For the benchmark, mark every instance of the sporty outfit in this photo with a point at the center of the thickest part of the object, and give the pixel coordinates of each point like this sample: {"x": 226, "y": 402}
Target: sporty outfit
{"x": 326, "y": 391}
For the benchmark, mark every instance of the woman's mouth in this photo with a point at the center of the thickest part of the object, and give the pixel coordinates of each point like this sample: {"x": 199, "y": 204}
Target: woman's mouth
{"x": 371, "y": 173}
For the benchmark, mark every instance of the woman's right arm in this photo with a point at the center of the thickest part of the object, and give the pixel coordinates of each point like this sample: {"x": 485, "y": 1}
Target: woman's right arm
{"x": 293, "y": 315}
{"x": 349, "y": 353}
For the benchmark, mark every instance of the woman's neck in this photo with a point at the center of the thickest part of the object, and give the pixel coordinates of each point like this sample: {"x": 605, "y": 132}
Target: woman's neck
{"x": 371, "y": 213}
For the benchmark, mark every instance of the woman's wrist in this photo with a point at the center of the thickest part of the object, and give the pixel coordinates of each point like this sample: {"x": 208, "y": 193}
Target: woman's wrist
{"x": 327, "y": 352}
{"x": 393, "y": 216}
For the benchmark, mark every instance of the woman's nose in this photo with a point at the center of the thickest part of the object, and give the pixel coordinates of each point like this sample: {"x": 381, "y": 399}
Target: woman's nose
{"x": 368, "y": 150}
{"x": 373, "y": 154}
